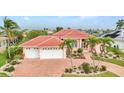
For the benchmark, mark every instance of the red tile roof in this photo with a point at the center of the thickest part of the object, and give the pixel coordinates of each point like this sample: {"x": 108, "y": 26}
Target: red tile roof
{"x": 41, "y": 41}
{"x": 72, "y": 33}
{"x": 55, "y": 40}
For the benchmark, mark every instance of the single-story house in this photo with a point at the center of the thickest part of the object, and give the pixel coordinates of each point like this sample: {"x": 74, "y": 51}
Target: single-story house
{"x": 48, "y": 47}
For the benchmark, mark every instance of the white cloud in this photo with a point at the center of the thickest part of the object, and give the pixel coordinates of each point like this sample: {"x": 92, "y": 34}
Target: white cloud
{"x": 26, "y": 18}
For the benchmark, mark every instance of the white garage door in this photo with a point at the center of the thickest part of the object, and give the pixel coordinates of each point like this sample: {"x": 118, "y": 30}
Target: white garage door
{"x": 52, "y": 53}
{"x": 31, "y": 53}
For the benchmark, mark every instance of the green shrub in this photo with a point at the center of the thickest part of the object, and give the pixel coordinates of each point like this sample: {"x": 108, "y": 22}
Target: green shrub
{"x": 66, "y": 70}
{"x": 15, "y": 50}
{"x": 75, "y": 52}
{"x": 103, "y": 68}
{"x": 95, "y": 69}
{"x": 80, "y": 50}
{"x": 86, "y": 67}
{"x": 16, "y": 57}
{"x": 14, "y": 62}
{"x": 74, "y": 67}
{"x": 10, "y": 69}
{"x": 70, "y": 70}
{"x": 79, "y": 67}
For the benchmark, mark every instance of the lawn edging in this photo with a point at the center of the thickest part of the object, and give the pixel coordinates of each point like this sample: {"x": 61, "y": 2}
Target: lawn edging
{"x": 113, "y": 61}
{"x": 105, "y": 74}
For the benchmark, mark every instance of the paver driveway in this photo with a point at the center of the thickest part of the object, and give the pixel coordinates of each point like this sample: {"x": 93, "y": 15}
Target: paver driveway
{"x": 46, "y": 68}
{"x": 49, "y": 68}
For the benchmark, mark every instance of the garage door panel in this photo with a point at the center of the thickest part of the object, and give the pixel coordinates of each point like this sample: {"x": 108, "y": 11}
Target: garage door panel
{"x": 31, "y": 53}
{"x": 52, "y": 54}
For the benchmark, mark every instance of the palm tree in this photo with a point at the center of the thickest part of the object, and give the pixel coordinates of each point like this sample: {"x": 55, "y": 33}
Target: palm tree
{"x": 8, "y": 27}
{"x": 92, "y": 42}
{"x": 120, "y": 24}
{"x": 105, "y": 42}
{"x": 69, "y": 43}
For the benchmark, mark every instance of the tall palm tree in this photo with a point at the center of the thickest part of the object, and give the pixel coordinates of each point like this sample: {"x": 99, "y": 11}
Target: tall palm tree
{"x": 92, "y": 42}
{"x": 120, "y": 24}
{"x": 68, "y": 43}
{"x": 8, "y": 27}
{"x": 105, "y": 42}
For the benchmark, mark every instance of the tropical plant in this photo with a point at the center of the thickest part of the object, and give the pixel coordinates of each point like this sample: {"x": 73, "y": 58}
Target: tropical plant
{"x": 103, "y": 68}
{"x": 8, "y": 28}
{"x": 80, "y": 50}
{"x": 69, "y": 43}
{"x": 119, "y": 24}
{"x": 15, "y": 50}
{"x": 10, "y": 69}
{"x": 115, "y": 51}
{"x": 86, "y": 67}
{"x": 105, "y": 42}
{"x": 92, "y": 42}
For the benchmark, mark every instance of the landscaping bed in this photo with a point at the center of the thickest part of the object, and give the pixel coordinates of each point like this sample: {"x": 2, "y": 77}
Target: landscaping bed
{"x": 85, "y": 69}
{"x": 114, "y": 61}
{"x": 105, "y": 74}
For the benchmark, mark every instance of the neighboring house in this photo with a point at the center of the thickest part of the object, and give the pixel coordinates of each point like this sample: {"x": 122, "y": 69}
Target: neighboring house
{"x": 50, "y": 32}
{"x": 119, "y": 40}
{"x": 118, "y": 37}
{"x": 48, "y": 47}
{"x": 3, "y": 43}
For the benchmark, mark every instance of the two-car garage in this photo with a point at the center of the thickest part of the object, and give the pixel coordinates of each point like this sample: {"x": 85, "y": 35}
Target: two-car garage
{"x": 44, "y": 53}
{"x": 43, "y": 47}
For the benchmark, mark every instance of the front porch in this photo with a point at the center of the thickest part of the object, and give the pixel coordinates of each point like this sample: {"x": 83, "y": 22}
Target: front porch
{"x": 79, "y": 43}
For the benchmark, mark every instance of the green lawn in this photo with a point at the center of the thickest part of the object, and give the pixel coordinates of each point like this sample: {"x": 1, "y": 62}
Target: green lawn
{"x": 106, "y": 74}
{"x": 3, "y": 75}
{"x": 2, "y": 59}
{"x": 114, "y": 61}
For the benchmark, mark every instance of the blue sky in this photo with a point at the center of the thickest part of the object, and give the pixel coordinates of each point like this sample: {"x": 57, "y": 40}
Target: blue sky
{"x": 86, "y": 22}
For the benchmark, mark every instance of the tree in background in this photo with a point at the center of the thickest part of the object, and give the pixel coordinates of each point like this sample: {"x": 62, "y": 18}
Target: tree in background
{"x": 35, "y": 33}
{"x": 119, "y": 24}
{"x": 58, "y": 29}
